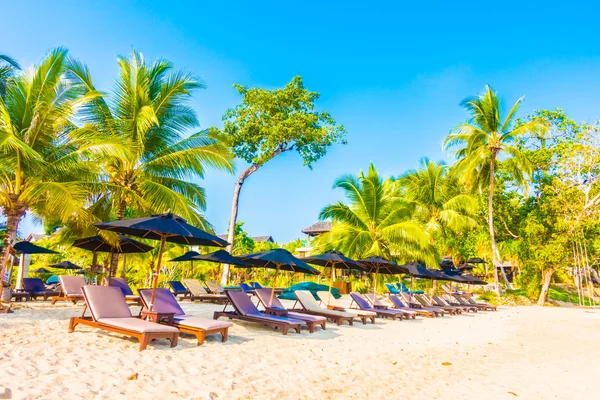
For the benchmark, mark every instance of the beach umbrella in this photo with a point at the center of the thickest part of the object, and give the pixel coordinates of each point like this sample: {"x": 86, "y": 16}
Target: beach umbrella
{"x": 166, "y": 228}
{"x": 99, "y": 244}
{"x": 221, "y": 257}
{"x": 40, "y": 271}
{"x": 465, "y": 267}
{"x": 475, "y": 260}
{"x": 333, "y": 259}
{"x": 25, "y": 247}
{"x": 418, "y": 270}
{"x": 379, "y": 265}
{"x": 65, "y": 265}
{"x": 277, "y": 259}
{"x": 187, "y": 256}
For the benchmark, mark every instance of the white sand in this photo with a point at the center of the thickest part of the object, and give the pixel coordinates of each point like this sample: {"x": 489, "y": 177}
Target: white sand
{"x": 532, "y": 353}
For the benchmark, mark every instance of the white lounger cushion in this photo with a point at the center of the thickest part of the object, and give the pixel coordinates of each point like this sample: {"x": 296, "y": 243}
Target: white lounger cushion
{"x": 138, "y": 325}
{"x": 310, "y": 304}
{"x": 328, "y": 299}
{"x": 201, "y": 322}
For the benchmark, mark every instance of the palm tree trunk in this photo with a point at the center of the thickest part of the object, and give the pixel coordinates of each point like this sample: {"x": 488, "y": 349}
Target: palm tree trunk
{"x": 491, "y": 221}
{"x": 13, "y": 218}
{"x": 546, "y": 286}
{"x": 234, "y": 212}
{"x": 114, "y": 259}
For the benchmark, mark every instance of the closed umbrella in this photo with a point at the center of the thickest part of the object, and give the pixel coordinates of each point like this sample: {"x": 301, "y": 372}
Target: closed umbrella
{"x": 166, "y": 228}
{"x": 334, "y": 259}
{"x": 277, "y": 259}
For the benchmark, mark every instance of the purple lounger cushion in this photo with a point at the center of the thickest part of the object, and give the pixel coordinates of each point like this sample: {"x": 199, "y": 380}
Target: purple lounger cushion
{"x": 164, "y": 301}
{"x": 121, "y": 284}
{"x": 364, "y": 305}
{"x": 245, "y": 307}
{"x": 36, "y": 286}
{"x": 264, "y": 294}
{"x": 71, "y": 285}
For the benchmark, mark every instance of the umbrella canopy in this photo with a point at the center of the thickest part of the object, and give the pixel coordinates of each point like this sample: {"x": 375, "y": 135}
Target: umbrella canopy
{"x": 466, "y": 266}
{"x": 25, "y": 247}
{"x": 188, "y": 256}
{"x": 166, "y": 228}
{"x": 40, "y": 271}
{"x": 221, "y": 256}
{"x": 99, "y": 244}
{"x": 381, "y": 265}
{"x": 471, "y": 280}
{"x": 65, "y": 265}
{"x": 279, "y": 259}
{"x": 476, "y": 260}
{"x": 334, "y": 259}
{"x": 170, "y": 227}
{"x": 418, "y": 270}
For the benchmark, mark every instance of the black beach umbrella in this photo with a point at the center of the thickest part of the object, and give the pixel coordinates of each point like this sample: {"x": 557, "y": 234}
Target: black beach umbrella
{"x": 466, "y": 267}
{"x": 277, "y": 259}
{"x": 418, "y": 270}
{"x": 65, "y": 265}
{"x": 379, "y": 265}
{"x": 166, "y": 228}
{"x": 222, "y": 257}
{"x": 99, "y": 244}
{"x": 475, "y": 260}
{"x": 25, "y": 247}
{"x": 334, "y": 259}
{"x": 40, "y": 271}
{"x": 187, "y": 256}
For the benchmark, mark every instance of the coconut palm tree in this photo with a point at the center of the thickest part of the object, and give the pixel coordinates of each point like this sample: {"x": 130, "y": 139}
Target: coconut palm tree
{"x": 485, "y": 140}
{"x": 148, "y": 110}
{"x": 376, "y": 221}
{"x": 45, "y": 166}
{"x": 8, "y": 66}
{"x": 439, "y": 201}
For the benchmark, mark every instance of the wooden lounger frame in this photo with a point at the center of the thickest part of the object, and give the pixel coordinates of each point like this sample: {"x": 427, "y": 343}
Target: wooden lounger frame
{"x": 338, "y": 319}
{"x": 450, "y": 310}
{"x": 284, "y": 313}
{"x": 73, "y": 298}
{"x": 363, "y": 318}
{"x": 143, "y": 338}
{"x": 381, "y": 312}
{"x": 284, "y": 327}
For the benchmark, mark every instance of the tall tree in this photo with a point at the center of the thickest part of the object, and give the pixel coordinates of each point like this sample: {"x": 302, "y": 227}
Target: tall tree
{"x": 148, "y": 111}
{"x": 268, "y": 123}
{"x": 8, "y": 66}
{"x": 377, "y": 221}
{"x": 45, "y": 165}
{"x": 484, "y": 140}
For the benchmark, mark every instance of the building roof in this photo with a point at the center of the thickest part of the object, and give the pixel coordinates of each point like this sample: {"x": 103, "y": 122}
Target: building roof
{"x": 318, "y": 228}
{"x": 34, "y": 237}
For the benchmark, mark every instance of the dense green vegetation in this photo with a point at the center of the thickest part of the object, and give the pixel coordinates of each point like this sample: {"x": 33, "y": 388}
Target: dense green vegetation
{"x": 522, "y": 191}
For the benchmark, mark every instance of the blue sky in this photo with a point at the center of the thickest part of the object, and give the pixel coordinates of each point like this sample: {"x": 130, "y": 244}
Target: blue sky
{"x": 393, "y": 73}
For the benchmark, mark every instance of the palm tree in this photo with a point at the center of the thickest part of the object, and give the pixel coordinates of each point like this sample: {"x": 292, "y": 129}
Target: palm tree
{"x": 8, "y": 66}
{"x": 147, "y": 110}
{"x": 439, "y": 201}
{"x": 377, "y": 221}
{"x": 45, "y": 165}
{"x": 483, "y": 141}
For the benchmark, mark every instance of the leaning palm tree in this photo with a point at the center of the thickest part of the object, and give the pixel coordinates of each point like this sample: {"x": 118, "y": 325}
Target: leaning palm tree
{"x": 45, "y": 166}
{"x": 148, "y": 110}
{"x": 485, "y": 140}
{"x": 377, "y": 221}
{"x": 439, "y": 201}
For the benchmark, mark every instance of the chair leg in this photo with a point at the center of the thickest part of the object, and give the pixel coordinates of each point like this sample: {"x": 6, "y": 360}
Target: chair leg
{"x": 72, "y": 324}
{"x": 174, "y": 339}
{"x": 224, "y": 335}
{"x": 200, "y": 336}
{"x": 311, "y": 327}
{"x": 284, "y": 330}
{"x": 144, "y": 342}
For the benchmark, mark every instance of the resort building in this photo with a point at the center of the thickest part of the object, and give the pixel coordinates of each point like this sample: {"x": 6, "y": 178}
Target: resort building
{"x": 312, "y": 231}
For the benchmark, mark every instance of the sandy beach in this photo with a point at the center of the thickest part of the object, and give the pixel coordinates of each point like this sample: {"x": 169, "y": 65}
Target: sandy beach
{"x": 525, "y": 352}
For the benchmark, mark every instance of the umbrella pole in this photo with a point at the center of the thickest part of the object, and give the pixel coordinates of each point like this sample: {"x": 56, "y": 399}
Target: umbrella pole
{"x": 375, "y": 284}
{"x": 273, "y": 286}
{"x": 163, "y": 239}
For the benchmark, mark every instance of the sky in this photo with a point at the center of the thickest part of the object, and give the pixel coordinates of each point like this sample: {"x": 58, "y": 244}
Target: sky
{"x": 393, "y": 73}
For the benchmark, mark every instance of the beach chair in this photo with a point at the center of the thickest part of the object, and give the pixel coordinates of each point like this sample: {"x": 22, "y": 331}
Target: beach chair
{"x": 363, "y": 304}
{"x": 246, "y": 288}
{"x": 36, "y": 288}
{"x": 178, "y": 289}
{"x": 256, "y": 285}
{"x": 165, "y": 302}
{"x": 404, "y": 289}
{"x": 214, "y": 287}
{"x": 273, "y": 306}
{"x": 484, "y": 306}
{"x": 311, "y": 306}
{"x": 453, "y": 302}
{"x": 110, "y": 312}
{"x": 392, "y": 289}
{"x": 198, "y": 292}
{"x": 378, "y": 304}
{"x": 420, "y": 305}
{"x": 449, "y": 290}
{"x": 245, "y": 310}
{"x": 426, "y": 302}
{"x": 70, "y": 289}
{"x": 399, "y": 304}
{"x": 332, "y": 303}
{"x": 127, "y": 292}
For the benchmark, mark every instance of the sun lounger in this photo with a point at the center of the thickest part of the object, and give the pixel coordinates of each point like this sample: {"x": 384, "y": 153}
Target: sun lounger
{"x": 35, "y": 287}
{"x": 256, "y": 285}
{"x": 383, "y": 312}
{"x": 453, "y": 302}
{"x": 70, "y": 289}
{"x": 214, "y": 287}
{"x": 448, "y": 290}
{"x": 404, "y": 289}
{"x": 245, "y": 310}
{"x": 311, "y": 306}
{"x": 127, "y": 292}
{"x": 419, "y": 305}
{"x": 110, "y": 312}
{"x": 165, "y": 302}
{"x": 483, "y": 306}
{"x": 199, "y": 292}
{"x": 332, "y": 303}
{"x": 399, "y": 304}
{"x": 178, "y": 289}
{"x": 378, "y": 304}
{"x": 421, "y": 298}
{"x": 392, "y": 289}
{"x": 246, "y": 288}
{"x": 273, "y": 306}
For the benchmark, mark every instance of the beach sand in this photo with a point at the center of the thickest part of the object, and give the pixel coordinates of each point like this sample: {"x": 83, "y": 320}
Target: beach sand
{"x": 524, "y": 352}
